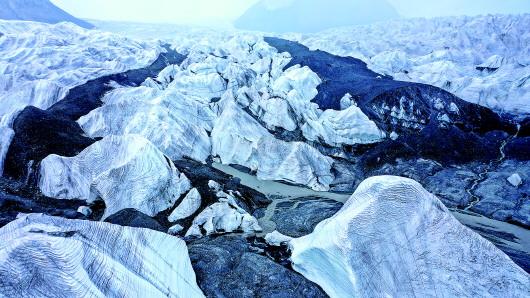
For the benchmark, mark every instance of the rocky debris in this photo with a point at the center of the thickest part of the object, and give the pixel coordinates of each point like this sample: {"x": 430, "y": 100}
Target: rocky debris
{"x": 499, "y": 199}
{"x": 44, "y": 256}
{"x": 228, "y": 266}
{"x": 298, "y": 216}
{"x": 133, "y": 218}
{"x": 15, "y": 199}
{"x": 450, "y": 185}
{"x": 394, "y": 237}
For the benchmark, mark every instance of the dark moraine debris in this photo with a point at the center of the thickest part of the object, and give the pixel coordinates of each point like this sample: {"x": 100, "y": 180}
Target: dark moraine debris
{"x": 134, "y": 218}
{"x": 228, "y": 266}
{"x": 39, "y": 133}
{"x": 429, "y": 121}
{"x": 15, "y": 199}
{"x": 298, "y": 217}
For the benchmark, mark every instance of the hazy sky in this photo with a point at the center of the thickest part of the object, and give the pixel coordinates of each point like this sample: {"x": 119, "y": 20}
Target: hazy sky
{"x": 214, "y": 11}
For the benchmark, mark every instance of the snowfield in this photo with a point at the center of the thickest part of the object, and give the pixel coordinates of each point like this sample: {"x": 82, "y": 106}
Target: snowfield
{"x": 483, "y": 59}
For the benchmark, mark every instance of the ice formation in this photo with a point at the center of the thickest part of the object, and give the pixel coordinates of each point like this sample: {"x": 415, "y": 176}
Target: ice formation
{"x": 482, "y": 59}
{"x": 42, "y": 256}
{"x": 124, "y": 171}
{"x": 224, "y": 216}
{"x": 393, "y": 238}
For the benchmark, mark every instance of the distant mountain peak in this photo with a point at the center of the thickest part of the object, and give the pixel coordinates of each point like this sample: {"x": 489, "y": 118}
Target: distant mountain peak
{"x": 306, "y": 16}
{"x": 37, "y": 10}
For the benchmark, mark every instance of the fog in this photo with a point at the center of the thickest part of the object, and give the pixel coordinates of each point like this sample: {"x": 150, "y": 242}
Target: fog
{"x": 222, "y": 12}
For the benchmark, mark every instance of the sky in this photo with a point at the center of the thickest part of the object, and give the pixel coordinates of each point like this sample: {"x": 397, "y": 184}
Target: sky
{"x": 208, "y": 12}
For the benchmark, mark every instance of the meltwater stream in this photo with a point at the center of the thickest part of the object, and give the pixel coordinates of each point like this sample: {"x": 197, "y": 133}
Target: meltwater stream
{"x": 484, "y": 174}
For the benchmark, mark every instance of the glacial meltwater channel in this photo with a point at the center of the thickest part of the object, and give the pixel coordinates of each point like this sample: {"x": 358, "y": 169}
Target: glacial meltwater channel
{"x": 512, "y": 239}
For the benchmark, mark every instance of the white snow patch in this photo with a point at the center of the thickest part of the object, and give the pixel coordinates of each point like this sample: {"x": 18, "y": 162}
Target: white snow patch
{"x": 276, "y": 238}
{"x": 515, "y": 180}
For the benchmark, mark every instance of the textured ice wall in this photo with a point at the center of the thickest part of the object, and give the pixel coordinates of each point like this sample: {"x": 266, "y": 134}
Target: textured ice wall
{"x": 393, "y": 238}
{"x": 44, "y": 256}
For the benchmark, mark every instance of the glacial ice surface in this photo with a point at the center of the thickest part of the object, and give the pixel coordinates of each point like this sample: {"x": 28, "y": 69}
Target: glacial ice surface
{"x": 481, "y": 59}
{"x": 124, "y": 171}
{"x": 393, "y": 238}
{"x": 42, "y": 255}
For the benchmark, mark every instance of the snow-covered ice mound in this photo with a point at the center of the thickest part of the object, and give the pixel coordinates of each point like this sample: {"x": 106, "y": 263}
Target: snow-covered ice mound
{"x": 237, "y": 138}
{"x": 392, "y": 238}
{"x": 125, "y": 171}
{"x": 177, "y": 124}
{"x": 43, "y": 256}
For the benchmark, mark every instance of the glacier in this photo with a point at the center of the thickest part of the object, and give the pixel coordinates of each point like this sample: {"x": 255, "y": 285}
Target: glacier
{"x": 40, "y": 63}
{"x": 393, "y": 238}
{"x": 229, "y": 136}
{"x": 44, "y": 255}
{"x": 481, "y": 59}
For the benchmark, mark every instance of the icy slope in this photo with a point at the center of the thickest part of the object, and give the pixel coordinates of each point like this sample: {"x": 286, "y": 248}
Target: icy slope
{"x": 299, "y": 15}
{"x": 38, "y": 11}
{"x": 125, "y": 171}
{"x": 45, "y": 256}
{"x": 481, "y": 59}
{"x": 393, "y": 238}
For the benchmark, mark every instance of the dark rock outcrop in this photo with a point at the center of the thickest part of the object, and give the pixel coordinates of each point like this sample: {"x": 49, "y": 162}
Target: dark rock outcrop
{"x": 298, "y": 217}
{"x": 228, "y": 266}
{"x": 15, "y": 199}
{"x": 134, "y": 218}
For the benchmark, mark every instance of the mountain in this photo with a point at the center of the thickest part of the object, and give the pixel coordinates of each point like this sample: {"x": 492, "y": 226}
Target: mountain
{"x": 39, "y": 11}
{"x": 305, "y": 16}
